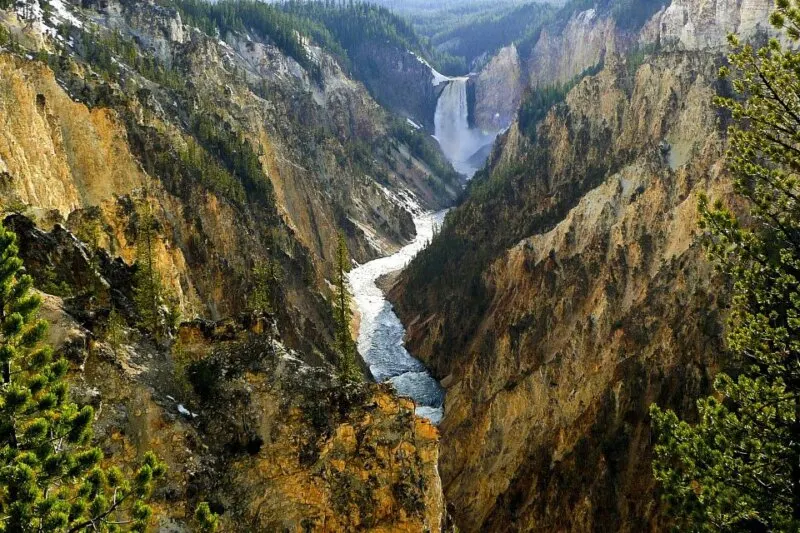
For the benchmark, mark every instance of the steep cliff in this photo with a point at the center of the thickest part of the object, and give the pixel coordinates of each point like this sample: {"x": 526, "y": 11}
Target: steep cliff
{"x": 498, "y": 90}
{"x": 564, "y": 51}
{"x": 570, "y": 291}
{"x": 245, "y": 157}
{"x": 400, "y": 81}
{"x": 199, "y": 131}
{"x": 693, "y": 25}
{"x": 571, "y": 42}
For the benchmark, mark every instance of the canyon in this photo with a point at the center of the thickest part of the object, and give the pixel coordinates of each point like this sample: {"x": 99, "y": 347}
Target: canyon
{"x": 244, "y": 157}
{"x": 570, "y": 291}
{"x": 545, "y": 277}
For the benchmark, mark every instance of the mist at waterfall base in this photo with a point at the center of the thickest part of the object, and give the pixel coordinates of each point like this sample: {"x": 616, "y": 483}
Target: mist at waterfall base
{"x": 466, "y": 148}
{"x": 380, "y": 336}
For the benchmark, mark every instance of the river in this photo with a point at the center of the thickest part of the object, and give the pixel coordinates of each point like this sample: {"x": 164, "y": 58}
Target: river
{"x": 380, "y": 336}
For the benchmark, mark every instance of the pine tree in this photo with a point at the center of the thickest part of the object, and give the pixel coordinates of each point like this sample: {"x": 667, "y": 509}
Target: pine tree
{"x": 265, "y": 276}
{"x": 345, "y": 347}
{"x": 50, "y": 476}
{"x": 115, "y": 329}
{"x": 206, "y": 520}
{"x": 149, "y": 287}
{"x": 738, "y": 467}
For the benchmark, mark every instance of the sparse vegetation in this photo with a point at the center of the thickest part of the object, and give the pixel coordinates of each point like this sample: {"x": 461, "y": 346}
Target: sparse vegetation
{"x": 265, "y": 278}
{"x": 539, "y": 101}
{"x": 236, "y": 153}
{"x": 149, "y": 294}
{"x": 108, "y": 51}
{"x": 206, "y": 520}
{"x": 421, "y": 146}
{"x": 115, "y": 330}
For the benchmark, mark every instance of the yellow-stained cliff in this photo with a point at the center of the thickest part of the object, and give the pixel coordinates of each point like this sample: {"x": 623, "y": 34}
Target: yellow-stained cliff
{"x": 245, "y": 158}
{"x": 570, "y": 292}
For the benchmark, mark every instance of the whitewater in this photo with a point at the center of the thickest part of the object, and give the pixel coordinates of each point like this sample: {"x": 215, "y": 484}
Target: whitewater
{"x": 462, "y": 145}
{"x": 380, "y": 336}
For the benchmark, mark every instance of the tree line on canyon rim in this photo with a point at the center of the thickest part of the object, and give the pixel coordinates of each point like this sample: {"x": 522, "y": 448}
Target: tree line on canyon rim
{"x": 736, "y": 469}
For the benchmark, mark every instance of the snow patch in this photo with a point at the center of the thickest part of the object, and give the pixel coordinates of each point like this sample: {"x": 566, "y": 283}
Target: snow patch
{"x": 587, "y": 16}
{"x": 438, "y": 78}
{"x": 185, "y": 412}
{"x": 61, "y": 12}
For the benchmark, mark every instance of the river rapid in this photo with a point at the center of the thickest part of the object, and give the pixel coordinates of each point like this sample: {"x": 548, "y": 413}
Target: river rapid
{"x": 380, "y": 336}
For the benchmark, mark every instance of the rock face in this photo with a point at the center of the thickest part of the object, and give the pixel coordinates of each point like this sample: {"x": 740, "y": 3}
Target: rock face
{"x": 570, "y": 291}
{"x": 159, "y": 28}
{"x": 583, "y": 42}
{"x": 313, "y": 454}
{"x": 55, "y": 151}
{"x": 401, "y": 82}
{"x": 498, "y": 90}
{"x": 694, "y": 24}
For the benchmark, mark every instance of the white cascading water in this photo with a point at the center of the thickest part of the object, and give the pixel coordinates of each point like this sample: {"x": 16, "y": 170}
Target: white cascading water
{"x": 380, "y": 336}
{"x": 461, "y": 144}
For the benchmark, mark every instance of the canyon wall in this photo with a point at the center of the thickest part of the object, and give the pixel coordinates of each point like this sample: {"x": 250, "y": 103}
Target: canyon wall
{"x": 563, "y": 52}
{"x": 697, "y": 25}
{"x": 498, "y": 90}
{"x": 400, "y": 82}
{"x": 570, "y": 291}
{"x": 576, "y": 42}
{"x": 244, "y": 158}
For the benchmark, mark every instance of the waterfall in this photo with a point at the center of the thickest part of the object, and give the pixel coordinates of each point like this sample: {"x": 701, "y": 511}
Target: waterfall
{"x": 462, "y": 145}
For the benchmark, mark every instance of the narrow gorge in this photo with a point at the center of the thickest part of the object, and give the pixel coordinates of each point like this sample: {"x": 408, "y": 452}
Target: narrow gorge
{"x": 381, "y": 335}
{"x": 384, "y": 266}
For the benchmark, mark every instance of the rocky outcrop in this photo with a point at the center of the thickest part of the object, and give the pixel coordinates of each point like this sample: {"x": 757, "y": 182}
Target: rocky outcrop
{"x": 158, "y": 28}
{"x": 400, "y": 81}
{"x": 697, "y": 25}
{"x": 309, "y": 453}
{"x": 272, "y": 444}
{"x": 561, "y": 53}
{"x": 498, "y": 90}
{"x": 569, "y": 293}
{"x": 575, "y": 43}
